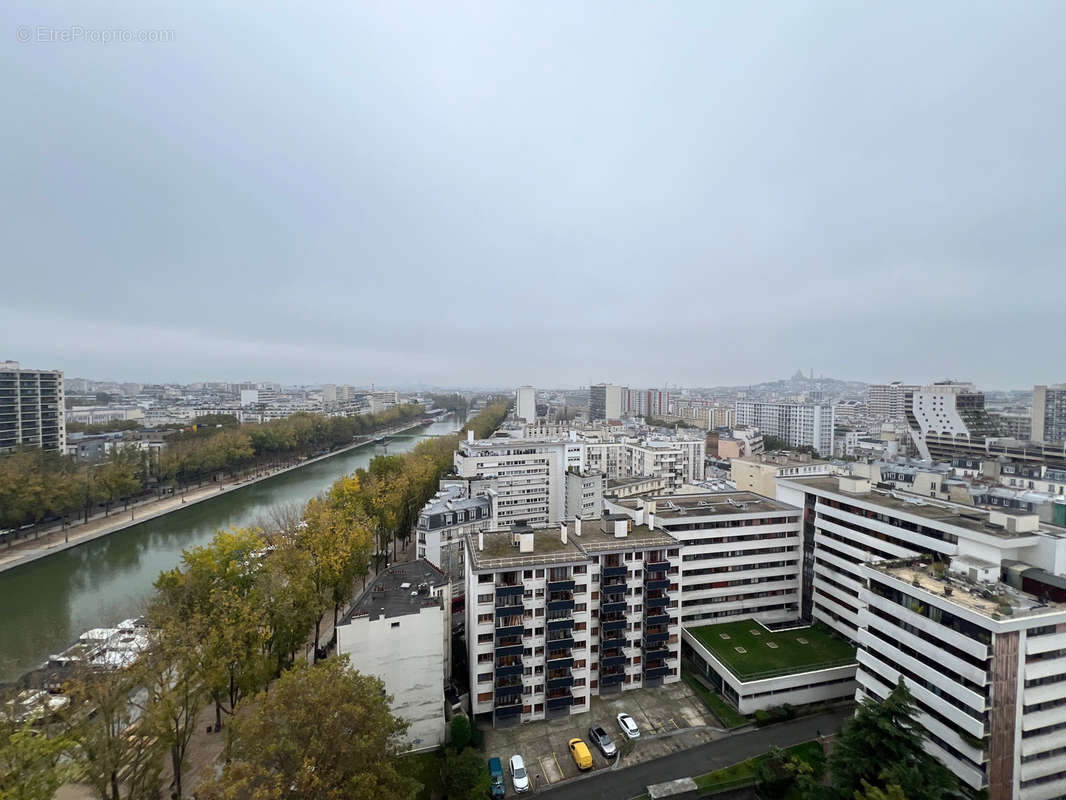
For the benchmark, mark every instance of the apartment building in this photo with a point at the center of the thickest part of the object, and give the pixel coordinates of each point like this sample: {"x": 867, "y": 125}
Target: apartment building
{"x": 584, "y": 494}
{"x": 740, "y": 552}
{"x": 525, "y": 404}
{"x": 917, "y": 585}
{"x": 606, "y": 401}
{"x": 940, "y": 416}
{"x": 1049, "y": 413}
{"x": 678, "y": 461}
{"x": 440, "y": 532}
{"x": 31, "y": 408}
{"x": 798, "y": 424}
{"x": 887, "y": 401}
{"x": 557, "y": 615}
{"x": 759, "y": 473}
{"x": 526, "y": 475}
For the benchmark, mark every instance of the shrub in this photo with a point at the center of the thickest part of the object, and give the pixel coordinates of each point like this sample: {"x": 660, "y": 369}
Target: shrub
{"x": 460, "y": 731}
{"x": 763, "y": 718}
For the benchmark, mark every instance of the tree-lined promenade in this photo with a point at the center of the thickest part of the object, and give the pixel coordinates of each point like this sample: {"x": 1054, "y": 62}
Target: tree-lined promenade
{"x": 226, "y": 624}
{"x": 36, "y": 485}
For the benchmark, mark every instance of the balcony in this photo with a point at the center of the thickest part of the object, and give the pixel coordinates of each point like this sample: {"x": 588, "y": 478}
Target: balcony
{"x": 561, "y": 586}
{"x": 509, "y": 590}
{"x": 655, "y": 651}
{"x": 657, "y": 583}
{"x": 508, "y": 711}
{"x": 611, "y": 678}
{"x": 508, "y": 695}
{"x": 562, "y": 701}
{"x": 614, "y": 588}
{"x": 613, "y": 572}
{"x": 509, "y": 650}
{"x": 561, "y": 605}
{"x": 613, "y": 661}
{"x": 560, "y": 642}
{"x": 657, "y": 602}
{"x": 655, "y": 637}
{"x": 516, "y": 609}
{"x": 559, "y": 660}
{"x": 614, "y": 635}
{"x": 614, "y": 625}
{"x": 560, "y": 624}
{"x": 656, "y": 566}
{"x": 657, "y": 619}
{"x": 510, "y": 669}
{"x": 503, "y": 629}
{"x": 562, "y": 682}
{"x": 656, "y": 672}
{"x": 614, "y": 606}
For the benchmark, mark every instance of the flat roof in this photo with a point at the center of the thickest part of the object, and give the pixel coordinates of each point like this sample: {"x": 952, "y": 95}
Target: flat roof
{"x": 594, "y": 540}
{"x": 989, "y": 599}
{"x": 706, "y": 504}
{"x": 969, "y": 517}
{"x": 501, "y": 552}
{"x": 397, "y": 591}
{"x": 752, "y": 651}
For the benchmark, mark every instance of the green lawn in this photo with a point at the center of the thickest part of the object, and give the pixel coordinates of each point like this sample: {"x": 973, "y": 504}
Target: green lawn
{"x": 763, "y": 653}
{"x": 744, "y": 773}
{"x": 726, "y": 714}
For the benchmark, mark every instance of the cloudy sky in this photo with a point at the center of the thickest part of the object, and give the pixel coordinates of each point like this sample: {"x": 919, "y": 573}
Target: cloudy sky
{"x": 559, "y": 193}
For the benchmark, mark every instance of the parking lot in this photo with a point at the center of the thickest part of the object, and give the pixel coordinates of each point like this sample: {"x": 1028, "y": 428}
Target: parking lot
{"x": 670, "y": 718}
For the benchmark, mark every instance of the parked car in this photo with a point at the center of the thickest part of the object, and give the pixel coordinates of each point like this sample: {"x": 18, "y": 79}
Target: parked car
{"x": 519, "y": 776}
{"x": 580, "y": 752}
{"x": 628, "y": 726}
{"x": 598, "y": 736}
{"x": 496, "y": 774}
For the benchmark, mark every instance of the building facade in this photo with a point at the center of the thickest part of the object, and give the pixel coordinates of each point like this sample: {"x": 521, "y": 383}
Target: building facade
{"x": 887, "y": 401}
{"x": 31, "y": 408}
{"x": 525, "y": 405}
{"x": 606, "y": 401}
{"x": 526, "y": 475}
{"x": 1049, "y": 413}
{"x": 798, "y": 424}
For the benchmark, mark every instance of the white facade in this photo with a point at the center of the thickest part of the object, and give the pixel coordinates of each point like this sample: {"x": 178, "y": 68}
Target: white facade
{"x": 31, "y": 408}
{"x": 525, "y": 403}
{"x": 887, "y": 400}
{"x": 526, "y": 475}
{"x": 798, "y": 424}
{"x": 606, "y": 401}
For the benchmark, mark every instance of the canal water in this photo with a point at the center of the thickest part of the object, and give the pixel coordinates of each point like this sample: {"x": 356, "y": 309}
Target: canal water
{"x": 46, "y": 604}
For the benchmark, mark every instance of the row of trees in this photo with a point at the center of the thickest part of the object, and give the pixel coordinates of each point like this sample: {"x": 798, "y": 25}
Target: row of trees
{"x": 36, "y": 485}
{"x": 225, "y": 624}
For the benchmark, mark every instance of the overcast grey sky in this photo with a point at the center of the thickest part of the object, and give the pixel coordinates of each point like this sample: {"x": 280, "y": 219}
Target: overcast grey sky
{"x": 559, "y": 193}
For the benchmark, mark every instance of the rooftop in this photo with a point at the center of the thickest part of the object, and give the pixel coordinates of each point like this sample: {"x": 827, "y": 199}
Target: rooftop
{"x": 401, "y": 589}
{"x": 969, "y": 517}
{"x": 991, "y": 600}
{"x": 753, "y": 652}
{"x": 593, "y": 539}
{"x": 501, "y": 550}
{"x": 706, "y": 504}
{"x": 782, "y": 458}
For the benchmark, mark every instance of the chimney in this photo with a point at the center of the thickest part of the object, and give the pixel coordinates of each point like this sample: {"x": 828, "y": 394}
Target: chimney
{"x": 640, "y": 514}
{"x": 651, "y": 521}
{"x": 562, "y": 532}
{"x": 577, "y": 526}
{"x": 481, "y": 540}
{"x": 525, "y": 541}
{"x": 470, "y": 436}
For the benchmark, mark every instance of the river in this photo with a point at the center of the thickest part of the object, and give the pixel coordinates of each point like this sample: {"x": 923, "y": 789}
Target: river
{"x": 46, "y": 604}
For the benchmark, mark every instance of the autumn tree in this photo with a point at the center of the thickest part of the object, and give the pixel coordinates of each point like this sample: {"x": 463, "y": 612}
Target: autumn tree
{"x": 31, "y": 766}
{"x": 322, "y": 732}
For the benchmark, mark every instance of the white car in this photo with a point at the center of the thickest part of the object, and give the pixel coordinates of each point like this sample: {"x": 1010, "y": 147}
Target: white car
{"x": 519, "y": 776}
{"x": 628, "y": 726}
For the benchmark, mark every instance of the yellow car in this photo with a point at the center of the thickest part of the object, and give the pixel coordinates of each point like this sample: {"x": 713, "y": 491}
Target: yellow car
{"x": 580, "y": 751}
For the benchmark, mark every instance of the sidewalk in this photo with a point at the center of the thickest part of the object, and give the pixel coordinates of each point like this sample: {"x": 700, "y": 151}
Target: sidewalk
{"x": 57, "y": 539}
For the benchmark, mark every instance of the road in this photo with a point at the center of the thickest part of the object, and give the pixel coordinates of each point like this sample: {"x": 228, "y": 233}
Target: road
{"x": 633, "y": 781}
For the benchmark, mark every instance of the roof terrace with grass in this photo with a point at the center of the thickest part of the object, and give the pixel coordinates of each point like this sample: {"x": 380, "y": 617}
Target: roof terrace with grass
{"x": 753, "y": 652}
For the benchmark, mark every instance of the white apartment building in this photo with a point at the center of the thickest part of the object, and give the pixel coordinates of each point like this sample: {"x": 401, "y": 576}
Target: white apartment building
{"x": 940, "y": 415}
{"x": 759, "y": 473}
{"x": 525, "y": 405}
{"x": 31, "y": 408}
{"x": 798, "y": 424}
{"x": 916, "y": 583}
{"x": 555, "y": 616}
{"x": 888, "y": 400}
{"x": 606, "y": 401}
{"x": 584, "y": 494}
{"x": 1049, "y": 413}
{"x": 740, "y": 553}
{"x": 526, "y": 475}
{"x": 444, "y": 521}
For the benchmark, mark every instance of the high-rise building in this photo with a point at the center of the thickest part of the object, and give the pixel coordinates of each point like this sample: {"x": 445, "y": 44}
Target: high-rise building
{"x": 798, "y": 424}
{"x": 965, "y": 606}
{"x": 887, "y": 400}
{"x": 31, "y": 408}
{"x": 605, "y": 401}
{"x": 1049, "y": 413}
{"x": 940, "y": 416}
{"x": 525, "y": 403}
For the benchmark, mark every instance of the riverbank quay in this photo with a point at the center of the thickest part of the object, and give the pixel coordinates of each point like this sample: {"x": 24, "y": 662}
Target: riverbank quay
{"x": 59, "y": 539}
